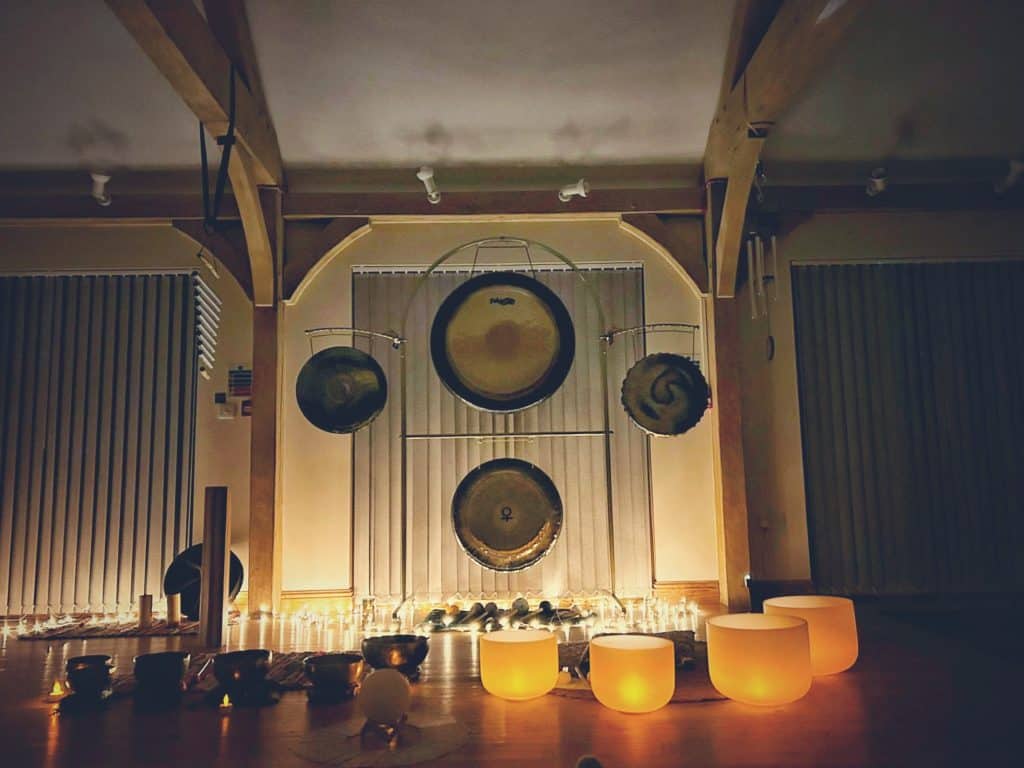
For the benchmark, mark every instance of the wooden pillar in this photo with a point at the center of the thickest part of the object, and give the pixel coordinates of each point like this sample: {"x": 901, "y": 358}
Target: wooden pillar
{"x": 264, "y": 491}
{"x": 727, "y": 428}
{"x": 213, "y": 593}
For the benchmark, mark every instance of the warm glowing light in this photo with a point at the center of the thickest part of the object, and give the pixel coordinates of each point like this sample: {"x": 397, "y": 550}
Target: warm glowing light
{"x": 518, "y": 664}
{"x": 225, "y": 703}
{"x": 759, "y": 659}
{"x": 384, "y": 696}
{"x": 58, "y": 689}
{"x": 832, "y": 627}
{"x": 632, "y": 673}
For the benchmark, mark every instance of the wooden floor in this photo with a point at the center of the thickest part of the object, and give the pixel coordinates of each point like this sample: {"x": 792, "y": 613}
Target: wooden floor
{"x": 932, "y": 688}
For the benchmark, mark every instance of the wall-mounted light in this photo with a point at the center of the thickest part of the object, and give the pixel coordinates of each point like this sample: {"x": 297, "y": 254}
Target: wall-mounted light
{"x": 580, "y": 189}
{"x": 99, "y": 188}
{"x": 426, "y": 175}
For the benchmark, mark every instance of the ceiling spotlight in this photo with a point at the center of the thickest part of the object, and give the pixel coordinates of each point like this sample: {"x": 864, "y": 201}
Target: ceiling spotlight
{"x": 99, "y": 188}
{"x": 580, "y": 189}
{"x": 877, "y": 182}
{"x": 426, "y": 175}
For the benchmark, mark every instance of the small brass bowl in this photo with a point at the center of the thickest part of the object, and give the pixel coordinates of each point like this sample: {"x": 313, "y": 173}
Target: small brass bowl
{"x": 334, "y": 675}
{"x": 161, "y": 674}
{"x": 89, "y": 675}
{"x": 242, "y": 673}
{"x": 402, "y": 652}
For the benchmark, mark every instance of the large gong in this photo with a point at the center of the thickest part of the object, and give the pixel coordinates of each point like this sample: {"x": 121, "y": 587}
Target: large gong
{"x": 502, "y": 341}
{"x": 665, "y": 394}
{"x": 341, "y": 389}
{"x": 507, "y": 514}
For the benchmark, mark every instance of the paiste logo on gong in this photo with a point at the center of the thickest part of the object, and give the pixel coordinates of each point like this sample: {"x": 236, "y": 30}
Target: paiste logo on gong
{"x": 502, "y": 300}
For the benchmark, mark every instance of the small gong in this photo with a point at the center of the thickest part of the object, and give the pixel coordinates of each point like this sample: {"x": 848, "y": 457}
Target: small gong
{"x": 665, "y": 394}
{"x": 507, "y": 514}
{"x": 341, "y": 389}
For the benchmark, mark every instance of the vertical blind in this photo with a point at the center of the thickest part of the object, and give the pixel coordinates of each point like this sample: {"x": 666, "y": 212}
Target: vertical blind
{"x": 97, "y": 429}
{"x": 912, "y": 411}
{"x": 438, "y": 568}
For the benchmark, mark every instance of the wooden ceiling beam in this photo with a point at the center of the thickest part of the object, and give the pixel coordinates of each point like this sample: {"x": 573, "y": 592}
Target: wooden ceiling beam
{"x": 792, "y": 51}
{"x": 494, "y": 203}
{"x": 178, "y": 40}
{"x": 193, "y": 58}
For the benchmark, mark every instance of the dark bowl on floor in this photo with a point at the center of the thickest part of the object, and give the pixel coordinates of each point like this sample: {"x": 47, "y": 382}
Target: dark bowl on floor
{"x": 242, "y": 673}
{"x": 334, "y": 669}
{"x": 89, "y": 676}
{"x": 161, "y": 674}
{"x": 402, "y": 652}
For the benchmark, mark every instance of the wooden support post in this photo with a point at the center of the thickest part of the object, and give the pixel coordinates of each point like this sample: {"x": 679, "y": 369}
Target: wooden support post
{"x": 727, "y": 430}
{"x": 264, "y": 490}
{"x": 213, "y": 595}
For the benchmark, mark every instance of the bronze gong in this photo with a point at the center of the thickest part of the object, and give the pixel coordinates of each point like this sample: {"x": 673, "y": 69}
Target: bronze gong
{"x": 341, "y": 389}
{"x": 665, "y": 394}
{"x": 502, "y": 342}
{"x": 507, "y": 514}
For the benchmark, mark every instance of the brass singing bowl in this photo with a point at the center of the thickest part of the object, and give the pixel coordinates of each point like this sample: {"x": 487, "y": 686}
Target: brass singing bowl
{"x": 507, "y": 514}
{"x": 665, "y": 394}
{"x": 402, "y": 652}
{"x": 334, "y": 670}
{"x": 241, "y": 671}
{"x": 502, "y": 342}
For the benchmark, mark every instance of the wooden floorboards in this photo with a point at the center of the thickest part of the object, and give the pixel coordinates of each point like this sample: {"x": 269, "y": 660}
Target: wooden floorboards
{"x": 931, "y": 689}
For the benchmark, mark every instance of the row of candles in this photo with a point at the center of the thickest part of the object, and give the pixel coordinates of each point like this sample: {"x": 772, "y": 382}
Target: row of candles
{"x": 371, "y": 617}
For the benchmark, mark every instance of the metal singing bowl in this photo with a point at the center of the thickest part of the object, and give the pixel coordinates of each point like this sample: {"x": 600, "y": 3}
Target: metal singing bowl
{"x": 241, "y": 671}
{"x": 665, "y": 394}
{"x": 502, "y": 342}
{"x": 402, "y": 652}
{"x": 162, "y": 672}
{"x": 341, "y": 389}
{"x": 334, "y": 672}
{"x": 507, "y": 514}
{"x": 89, "y": 675}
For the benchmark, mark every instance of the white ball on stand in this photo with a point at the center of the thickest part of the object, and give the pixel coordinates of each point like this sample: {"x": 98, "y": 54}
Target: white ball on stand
{"x": 384, "y": 697}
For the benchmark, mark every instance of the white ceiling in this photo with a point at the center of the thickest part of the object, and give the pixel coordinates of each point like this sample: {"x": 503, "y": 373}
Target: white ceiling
{"x": 396, "y": 83}
{"x": 918, "y": 81}
{"x": 78, "y": 92}
{"x": 465, "y": 81}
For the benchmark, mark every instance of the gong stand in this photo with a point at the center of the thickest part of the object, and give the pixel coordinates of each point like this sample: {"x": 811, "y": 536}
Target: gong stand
{"x": 398, "y": 342}
{"x": 607, "y": 339}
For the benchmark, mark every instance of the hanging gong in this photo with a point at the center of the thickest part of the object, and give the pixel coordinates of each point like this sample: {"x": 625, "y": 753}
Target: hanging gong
{"x": 502, "y": 341}
{"x": 341, "y": 389}
{"x": 665, "y": 394}
{"x": 507, "y": 514}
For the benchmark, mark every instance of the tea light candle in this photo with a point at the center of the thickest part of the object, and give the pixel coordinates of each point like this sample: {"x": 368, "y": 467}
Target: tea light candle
{"x": 832, "y": 627}
{"x": 759, "y": 659}
{"x": 632, "y": 673}
{"x": 518, "y": 664}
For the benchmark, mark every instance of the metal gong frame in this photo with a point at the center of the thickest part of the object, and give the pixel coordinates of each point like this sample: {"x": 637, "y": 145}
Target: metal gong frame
{"x": 398, "y": 342}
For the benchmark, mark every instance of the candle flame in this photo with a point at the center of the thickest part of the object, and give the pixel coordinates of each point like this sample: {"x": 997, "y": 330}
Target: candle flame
{"x": 225, "y": 703}
{"x": 58, "y": 688}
